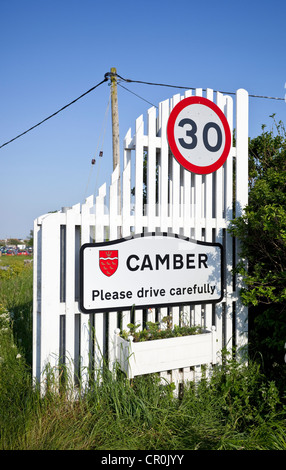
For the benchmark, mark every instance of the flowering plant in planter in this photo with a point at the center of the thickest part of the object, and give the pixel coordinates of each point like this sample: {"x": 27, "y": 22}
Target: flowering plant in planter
{"x": 155, "y": 331}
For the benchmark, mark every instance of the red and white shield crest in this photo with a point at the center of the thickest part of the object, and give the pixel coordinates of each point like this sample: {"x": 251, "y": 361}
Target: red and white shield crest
{"x": 108, "y": 261}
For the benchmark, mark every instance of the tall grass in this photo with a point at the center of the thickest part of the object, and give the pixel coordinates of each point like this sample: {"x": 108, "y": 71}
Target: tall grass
{"x": 16, "y": 295}
{"x": 237, "y": 409}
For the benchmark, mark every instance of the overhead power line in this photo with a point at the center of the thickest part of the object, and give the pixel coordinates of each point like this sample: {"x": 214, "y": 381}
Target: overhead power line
{"x": 192, "y": 88}
{"x": 138, "y": 96}
{"x": 54, "y": 114}
{"x": 128, "y": 80}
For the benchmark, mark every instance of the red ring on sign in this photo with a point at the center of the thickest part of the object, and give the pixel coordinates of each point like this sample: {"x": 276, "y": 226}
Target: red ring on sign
{"x": 201, "y": 170}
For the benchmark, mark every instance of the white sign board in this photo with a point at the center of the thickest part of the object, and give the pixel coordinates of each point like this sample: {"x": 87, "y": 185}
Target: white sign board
{"x": 149, "y": 270}
{"x": 199, "y": 135}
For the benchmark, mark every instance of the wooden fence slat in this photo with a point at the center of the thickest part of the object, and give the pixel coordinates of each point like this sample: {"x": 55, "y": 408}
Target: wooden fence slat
{"x": 164, "y": 164}
{"x": 50, "y": 291}
{"x": 126, "y": 187}
{"x": 98, "y": 322}
{"x": 70, "y": 290}
{"x": 139, "y": 175}
{"x": 85, "y": 320}
{"x": 113, "y": 205}
{"x": 151, "y": 170}
{"x": 37, "y": 261}
{"x": 208, "y": 221}
{"x": 228, "y": 238}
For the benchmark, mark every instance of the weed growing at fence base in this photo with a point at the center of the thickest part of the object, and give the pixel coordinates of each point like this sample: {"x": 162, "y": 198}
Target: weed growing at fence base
{"x": 237, "y": 409}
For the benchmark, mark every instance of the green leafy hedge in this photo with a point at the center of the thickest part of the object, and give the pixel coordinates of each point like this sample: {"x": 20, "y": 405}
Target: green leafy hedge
{"x": 262, "y": 234}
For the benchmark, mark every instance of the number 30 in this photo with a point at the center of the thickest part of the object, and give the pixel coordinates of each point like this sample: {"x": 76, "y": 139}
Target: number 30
{"x": 192, "y": 133}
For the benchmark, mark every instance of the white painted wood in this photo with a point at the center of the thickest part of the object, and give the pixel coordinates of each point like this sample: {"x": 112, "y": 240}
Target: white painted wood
{"x": 70, "y": 291}
{"x": 126, "y": 187}
{"x": 228, "y": 238}
{"x": 113, "y": 210}
{"x": 85, "y": 321}
{"x": 139, "y": 175}
{"x": 98, "y": 321}
{"x": 151, "y": 170}
{"x": 164, "y": 165}
{"x": 37, "y": 300}
{"x": 241, "y": 202}
{"x": 49, "y": 293}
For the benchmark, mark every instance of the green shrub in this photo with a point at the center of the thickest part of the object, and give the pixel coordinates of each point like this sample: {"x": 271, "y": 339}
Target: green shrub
{"x": 262, "y": 234}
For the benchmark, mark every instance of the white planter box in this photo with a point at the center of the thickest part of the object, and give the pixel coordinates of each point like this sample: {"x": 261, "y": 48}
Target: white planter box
{"x": 159, "y": 355}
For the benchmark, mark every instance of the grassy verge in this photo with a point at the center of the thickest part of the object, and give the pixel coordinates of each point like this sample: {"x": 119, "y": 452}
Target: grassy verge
{"x": 237, "y": 409}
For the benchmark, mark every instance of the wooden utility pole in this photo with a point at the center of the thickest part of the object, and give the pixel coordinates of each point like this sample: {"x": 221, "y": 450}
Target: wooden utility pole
{"x": 115, "y": 121}
{"x": 115, "y": 130}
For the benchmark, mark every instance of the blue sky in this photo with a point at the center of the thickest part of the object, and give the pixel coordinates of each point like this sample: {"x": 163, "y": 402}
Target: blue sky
{"x": 53, "y": 51}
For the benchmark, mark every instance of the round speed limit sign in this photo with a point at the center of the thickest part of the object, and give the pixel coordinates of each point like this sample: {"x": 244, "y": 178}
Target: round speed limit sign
{"x": 199, "y": 135}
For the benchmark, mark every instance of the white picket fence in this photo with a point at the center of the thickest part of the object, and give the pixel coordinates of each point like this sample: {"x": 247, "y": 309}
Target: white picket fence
{"x": 177, "y": 201}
